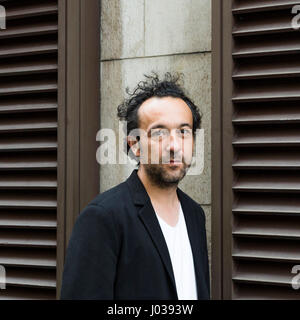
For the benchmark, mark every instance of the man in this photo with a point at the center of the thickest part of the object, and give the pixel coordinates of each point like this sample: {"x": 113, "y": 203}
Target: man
{"x": 145, "y": 238}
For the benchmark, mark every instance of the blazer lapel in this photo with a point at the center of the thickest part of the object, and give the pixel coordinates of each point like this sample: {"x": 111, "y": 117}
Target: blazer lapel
{"x": 147, "y": 215}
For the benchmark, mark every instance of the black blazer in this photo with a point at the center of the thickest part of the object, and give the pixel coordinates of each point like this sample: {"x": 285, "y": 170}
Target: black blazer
{"x": 117, "y": 249}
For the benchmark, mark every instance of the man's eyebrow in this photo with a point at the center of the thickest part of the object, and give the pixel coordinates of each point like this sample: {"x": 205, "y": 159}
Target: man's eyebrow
{"x": 164, "y": 127}
{"x": 157, "y": 126}
{"x": 186, "y": 125}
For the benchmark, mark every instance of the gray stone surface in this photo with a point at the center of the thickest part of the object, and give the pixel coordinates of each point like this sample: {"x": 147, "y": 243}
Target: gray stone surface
{"x": 177, "y": 26}
{"x": 122, "y": 29}
{"x": 139, "y": 28}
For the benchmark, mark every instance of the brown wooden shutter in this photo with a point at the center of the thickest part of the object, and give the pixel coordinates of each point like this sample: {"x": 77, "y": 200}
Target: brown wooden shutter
{"x": 261, "y": 156}
{"x": 49, "y": 118}
{"x": 28, "y": 148}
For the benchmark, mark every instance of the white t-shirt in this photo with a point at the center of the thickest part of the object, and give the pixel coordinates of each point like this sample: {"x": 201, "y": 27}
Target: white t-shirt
{"x": 181, "y": 257}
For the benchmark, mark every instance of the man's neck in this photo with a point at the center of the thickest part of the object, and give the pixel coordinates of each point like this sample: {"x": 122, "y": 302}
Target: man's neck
{"x": 166, "y": 196}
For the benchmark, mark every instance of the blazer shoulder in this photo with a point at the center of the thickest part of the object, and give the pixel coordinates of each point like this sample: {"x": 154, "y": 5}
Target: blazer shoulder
{"x": 111, "y": 198}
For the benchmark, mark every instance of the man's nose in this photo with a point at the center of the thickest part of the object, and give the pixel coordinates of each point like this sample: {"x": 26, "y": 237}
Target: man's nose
{"x": 174, "y": 143}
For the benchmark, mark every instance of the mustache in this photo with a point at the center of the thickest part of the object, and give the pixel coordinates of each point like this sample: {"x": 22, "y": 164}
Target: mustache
{"x": 175, "y": 158}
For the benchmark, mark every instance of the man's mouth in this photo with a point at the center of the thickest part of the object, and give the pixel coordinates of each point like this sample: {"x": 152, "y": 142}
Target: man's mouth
{"x": 172, "y": 161}
{"x": 175, "y": 161}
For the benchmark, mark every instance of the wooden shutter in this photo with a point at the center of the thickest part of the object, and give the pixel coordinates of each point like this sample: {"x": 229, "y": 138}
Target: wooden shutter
{"x": 28, "y": 148}
{"x": 260, "y": 121}
{"x": 49, "y": 118}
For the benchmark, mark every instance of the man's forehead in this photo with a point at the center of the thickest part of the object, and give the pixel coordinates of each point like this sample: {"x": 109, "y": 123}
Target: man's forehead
{"x": 166, "y": 108}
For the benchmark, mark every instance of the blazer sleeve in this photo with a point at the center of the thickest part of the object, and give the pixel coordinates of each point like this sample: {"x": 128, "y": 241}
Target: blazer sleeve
{"x": 91, "y": 258}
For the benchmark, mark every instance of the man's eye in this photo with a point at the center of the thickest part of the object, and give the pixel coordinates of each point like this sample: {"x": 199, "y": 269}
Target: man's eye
{"x": 159, "y": 133}
{"x": 185, "y": 132}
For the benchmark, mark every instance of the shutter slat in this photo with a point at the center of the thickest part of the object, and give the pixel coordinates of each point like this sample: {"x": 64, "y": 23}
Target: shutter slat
{"x": 273, "y": 27}
{"x": 266, "y": 46}
{"x": 33, "y": 282}
{"x": 261, "y": 91}
{"x": 28, "y": 67}
{"x": 270, "y": 279}
{"x": 28, "y": 162}
{"x": 24, "y": 257}
{"x": 268, "y": 204}
{"x": 280, "y": 250}
{"x": 267, "y": 160}
{"x": 261, "y": 24}
{"x": 28, "y": 48}
{"x": 248, "y": 232}
{"x": 268, "y": 182}
{"x": 35, "y": 126}
{"x": 28, "y": 125}
{"x": 287, "y": 227}
{"x": 27, "y": 294}
{"x": 265, "y": 255}
{"x": 28, "y": 144}
{"x": 255, "y": 279}
{"x": 284, "y": 136}
{"x": 30, "y": 30}
{"x": 30, "y": 86}
{"x": 267, "y": 274}
{"x": 28, "y": 201}
{"x": 31, "y": 278}
{"x": 20, "y": 181}
{"x": 31, "y": 10}
{"x": 39, "y": 220}
{"x": 35, "y": 146}
{"x": 24, "y": 105}
{"x": 248, "y": 6}
{"x": 28, "y": 239}
{"x": 254, "y": 292}
{"x": 275, "y": 114}
{"x": 251, "y": 69}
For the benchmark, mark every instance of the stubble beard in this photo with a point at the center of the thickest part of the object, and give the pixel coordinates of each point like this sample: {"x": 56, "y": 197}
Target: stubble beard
{"x": 163, "y": 177}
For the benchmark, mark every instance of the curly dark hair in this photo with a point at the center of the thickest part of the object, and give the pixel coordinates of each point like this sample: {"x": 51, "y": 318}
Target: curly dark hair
{"x": 169, "y": 86}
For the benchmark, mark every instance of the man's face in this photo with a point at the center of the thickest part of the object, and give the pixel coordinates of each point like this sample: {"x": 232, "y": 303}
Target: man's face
{"x": 166, "y": 140}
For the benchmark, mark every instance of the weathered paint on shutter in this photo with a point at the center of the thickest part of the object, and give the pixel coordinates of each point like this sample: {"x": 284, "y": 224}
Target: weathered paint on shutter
{"x": 266, "y": 155}
{"x": 28, "y": 149}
